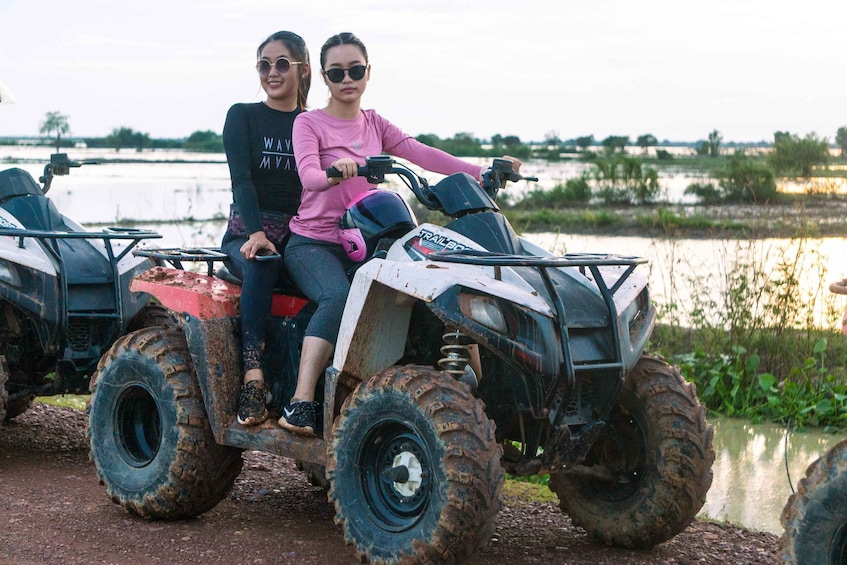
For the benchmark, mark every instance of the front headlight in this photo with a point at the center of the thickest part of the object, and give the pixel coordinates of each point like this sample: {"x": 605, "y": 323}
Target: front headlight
{"x": 483, "y": 310}
{"x": 9, "y": 274}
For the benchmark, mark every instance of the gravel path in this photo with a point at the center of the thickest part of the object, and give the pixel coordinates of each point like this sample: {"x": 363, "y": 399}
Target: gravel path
{"x": 52, "y": 510}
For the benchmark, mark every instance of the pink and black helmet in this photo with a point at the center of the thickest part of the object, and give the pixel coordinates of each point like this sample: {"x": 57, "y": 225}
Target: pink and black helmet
{"x": 371, "y": 216}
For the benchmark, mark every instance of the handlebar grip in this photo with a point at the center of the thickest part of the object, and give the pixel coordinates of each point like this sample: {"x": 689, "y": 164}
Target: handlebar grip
{"x": 332, "y": 172}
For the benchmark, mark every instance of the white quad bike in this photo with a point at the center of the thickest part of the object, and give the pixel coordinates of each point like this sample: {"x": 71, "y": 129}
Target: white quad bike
{"x": 815, "y": 517}
{"x": 413, "y": 456}
{"x": 64, "y": 291}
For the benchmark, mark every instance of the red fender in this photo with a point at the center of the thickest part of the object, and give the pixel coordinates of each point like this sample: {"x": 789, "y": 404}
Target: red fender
{"x": 203, "y": 296}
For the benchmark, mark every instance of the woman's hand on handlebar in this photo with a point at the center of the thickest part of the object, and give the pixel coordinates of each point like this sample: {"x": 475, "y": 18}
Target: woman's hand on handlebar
{"x": 516, "y": 163}
{"x": 516, "y": 166}
{"x": 347, "y": 167}
{"x": 257, "y": 244}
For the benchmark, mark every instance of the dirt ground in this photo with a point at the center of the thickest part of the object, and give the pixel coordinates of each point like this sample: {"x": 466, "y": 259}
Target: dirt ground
{"x": 52, "y": 510}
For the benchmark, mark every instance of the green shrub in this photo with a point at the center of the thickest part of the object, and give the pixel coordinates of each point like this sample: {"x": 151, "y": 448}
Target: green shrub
{"x": 624, "y": 180}
{"x": 794, "y": 155}
{"x": 574, "y": 191}
{"x": 752, "y": 336}
{"x": 747, "y": 181}
{"x": 706, "y": 193}
{"x": 732, "y": 385}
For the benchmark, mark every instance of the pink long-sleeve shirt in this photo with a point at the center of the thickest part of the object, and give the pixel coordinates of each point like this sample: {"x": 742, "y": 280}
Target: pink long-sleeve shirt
{"x": 320, "y": 139}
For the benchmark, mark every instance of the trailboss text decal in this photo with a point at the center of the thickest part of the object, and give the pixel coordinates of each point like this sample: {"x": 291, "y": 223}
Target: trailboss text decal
{"x": 4, "y": 223}
{"x": 428, "y": 242}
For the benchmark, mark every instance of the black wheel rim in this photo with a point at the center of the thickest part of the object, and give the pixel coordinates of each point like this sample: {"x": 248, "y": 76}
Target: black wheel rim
{"x": 138, "y": 426}
{"x": 397, "y": 498}
{"x": 622, "y": 450}
{"x": 839, "y": 545}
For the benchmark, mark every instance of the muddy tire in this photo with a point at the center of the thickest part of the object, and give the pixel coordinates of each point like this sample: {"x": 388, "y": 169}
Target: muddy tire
{"x": 18, "y": 406}
{"x": 315, "y": 474}
{"x": 150, "y": 438}
{"x": 11, "y": 408}
{"x": 647, "y": 475}
{"x": 815, "y": 517}
{"x": 152, "y": 315}
{"x": 4, "y": 392}
{"x": 414, "y": 468}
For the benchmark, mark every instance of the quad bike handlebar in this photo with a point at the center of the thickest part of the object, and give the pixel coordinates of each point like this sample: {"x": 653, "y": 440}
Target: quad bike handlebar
{"x": 59, "y": 165}
{"x": 499, "y": 174}
{"x": 375, "y": 168}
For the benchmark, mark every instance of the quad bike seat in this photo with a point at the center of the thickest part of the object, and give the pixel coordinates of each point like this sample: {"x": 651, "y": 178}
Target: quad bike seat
{"x": 23, "y": 198}
{"x": 283, "y": 286}
{"x": 17, "y": 182}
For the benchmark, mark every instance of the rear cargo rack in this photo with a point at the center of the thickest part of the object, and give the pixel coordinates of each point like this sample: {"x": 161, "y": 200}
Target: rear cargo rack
{"x": 582, "y": 261}
{"x": 176, "y": 256}
{"x": 134, "y": 235}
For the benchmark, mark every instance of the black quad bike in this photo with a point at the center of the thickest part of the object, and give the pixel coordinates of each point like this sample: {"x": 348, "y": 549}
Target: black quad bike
{"x": 64, "y": 295}
{"x": 415, "y": 444}
{"x": 815, "y": 517}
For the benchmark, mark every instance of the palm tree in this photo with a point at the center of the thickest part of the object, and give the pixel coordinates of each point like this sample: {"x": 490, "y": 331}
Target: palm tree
{"x": 54, "y": 121}
{"x": 715, "y": 139}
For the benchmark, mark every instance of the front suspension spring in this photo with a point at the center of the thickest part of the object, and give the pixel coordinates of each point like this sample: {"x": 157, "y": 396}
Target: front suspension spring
{"x": 456, "y": 352}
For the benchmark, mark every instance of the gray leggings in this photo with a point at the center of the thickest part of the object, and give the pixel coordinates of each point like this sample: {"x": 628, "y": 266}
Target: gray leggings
{"x": 319, "y": 269}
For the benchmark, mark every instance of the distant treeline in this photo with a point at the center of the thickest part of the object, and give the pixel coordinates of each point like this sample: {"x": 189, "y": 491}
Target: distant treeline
{"x": 56, "y": 126}
{"x": 461, "y": 144}
{"x": 127, "y": 138}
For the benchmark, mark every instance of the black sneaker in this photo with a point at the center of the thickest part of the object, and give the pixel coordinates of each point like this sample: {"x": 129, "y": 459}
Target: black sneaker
{"x": 252, "y": 409}
{"x": 299, "y": 417}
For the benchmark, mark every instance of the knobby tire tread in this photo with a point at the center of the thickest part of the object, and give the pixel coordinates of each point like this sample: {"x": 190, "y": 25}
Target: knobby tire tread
{"x": 470, "y": 462}
{"x": 15, "y": 408}
{"x": 4, "y": 392}
{"x": 201, "y": 472}
{"x": 674, "y": 490}
{"x": 152, "y": 315}
{"x": 815, "y": 510}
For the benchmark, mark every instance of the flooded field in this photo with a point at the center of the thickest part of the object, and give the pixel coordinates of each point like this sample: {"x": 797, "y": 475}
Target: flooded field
{"x": 187, "y": 202}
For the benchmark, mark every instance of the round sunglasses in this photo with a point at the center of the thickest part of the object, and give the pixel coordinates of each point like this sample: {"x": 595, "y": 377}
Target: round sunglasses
{"x": 356, "y": 72}
{"x": 282, "y": 65}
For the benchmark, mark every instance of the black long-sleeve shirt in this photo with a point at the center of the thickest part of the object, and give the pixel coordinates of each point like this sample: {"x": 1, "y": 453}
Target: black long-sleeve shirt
{"x": 260, "y": 155}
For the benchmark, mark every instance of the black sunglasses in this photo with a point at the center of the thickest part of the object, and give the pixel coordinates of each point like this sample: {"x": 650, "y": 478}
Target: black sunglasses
{"x": 356, "y": 72}
{"x": 282, "y": 65}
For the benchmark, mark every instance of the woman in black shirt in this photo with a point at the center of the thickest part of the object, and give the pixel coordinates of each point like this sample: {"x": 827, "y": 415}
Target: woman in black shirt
{"x": 266, "y": 193}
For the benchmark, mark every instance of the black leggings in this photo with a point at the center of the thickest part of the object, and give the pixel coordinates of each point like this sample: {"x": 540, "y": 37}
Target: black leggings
{"x": 258, "y": 279}
{"x": 319, "y": 269}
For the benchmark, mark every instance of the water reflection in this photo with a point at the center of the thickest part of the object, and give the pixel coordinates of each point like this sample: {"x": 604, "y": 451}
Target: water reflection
{"x": 751, "y": 471}
{"x": 691, "y": 273}
{"x": 815, "y": 185}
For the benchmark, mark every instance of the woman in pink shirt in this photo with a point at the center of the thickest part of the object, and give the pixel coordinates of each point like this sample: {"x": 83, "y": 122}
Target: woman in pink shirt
{"x": 341, "y": 135}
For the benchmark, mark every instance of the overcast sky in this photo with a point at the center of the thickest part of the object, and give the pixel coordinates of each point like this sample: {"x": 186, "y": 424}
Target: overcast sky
{"x": 677, "y": 69}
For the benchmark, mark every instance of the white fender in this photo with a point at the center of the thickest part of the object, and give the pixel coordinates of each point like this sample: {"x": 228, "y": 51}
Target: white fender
{"x": 380, "y": 304}
{"x": 31, "y": 255}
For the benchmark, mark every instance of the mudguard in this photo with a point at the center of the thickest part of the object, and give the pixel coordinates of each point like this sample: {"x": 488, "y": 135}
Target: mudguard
{"x": 380, "y": 303}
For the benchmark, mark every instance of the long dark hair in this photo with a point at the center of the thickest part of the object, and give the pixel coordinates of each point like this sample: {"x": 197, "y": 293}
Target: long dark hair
{"x": 299, "y": 51}
{"x": 344, "y": 38}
